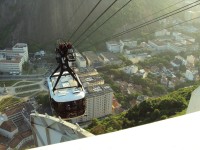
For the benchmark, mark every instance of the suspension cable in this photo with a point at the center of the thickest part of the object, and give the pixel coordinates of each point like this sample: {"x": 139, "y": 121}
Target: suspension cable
{"x": 84, "y": 19}
{"x": 104, "y": 22}
{"x": 75, "y": 12}
{"x": 149, "y": 22}
{"x": 96, "y": 20}
{"x": 135, "y": 21}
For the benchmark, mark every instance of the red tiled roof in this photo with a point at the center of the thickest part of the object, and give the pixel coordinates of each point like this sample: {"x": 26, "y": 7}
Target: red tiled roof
{"x": 8, "y": 126}
{"x": 19, "y": 137}
{"x": 17, "y": 108}
{"x": 13, "y": 111}
{"x": 115, "y": 104}
{"x": 2, "y": 147}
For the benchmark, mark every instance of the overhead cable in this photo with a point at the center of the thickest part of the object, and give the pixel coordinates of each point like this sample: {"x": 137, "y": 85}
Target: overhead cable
{"x": 96, "y": 20}
{"x": 104, "y": 22}
{"x": 84, "y": 19}
{"x": 186, "y": 7}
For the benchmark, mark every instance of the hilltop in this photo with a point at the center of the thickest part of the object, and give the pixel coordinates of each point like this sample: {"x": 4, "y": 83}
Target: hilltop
{"x": 43, "y": 22}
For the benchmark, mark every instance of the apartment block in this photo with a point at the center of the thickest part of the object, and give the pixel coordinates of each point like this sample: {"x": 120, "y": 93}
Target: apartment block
{"x": 98, "y": 102}
{"x": 11, "y": 60}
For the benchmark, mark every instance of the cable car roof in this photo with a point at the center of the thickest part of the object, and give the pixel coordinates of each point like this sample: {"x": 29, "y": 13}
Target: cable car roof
{"x": 66, "y": 90}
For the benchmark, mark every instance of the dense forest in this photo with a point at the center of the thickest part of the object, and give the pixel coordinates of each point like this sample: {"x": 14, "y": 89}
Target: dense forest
{"x": 41, "y": 23}
{"x": 154, "y": 109}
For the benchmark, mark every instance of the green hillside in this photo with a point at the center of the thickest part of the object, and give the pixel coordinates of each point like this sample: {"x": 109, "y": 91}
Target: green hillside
{"x": 155, "y": 109}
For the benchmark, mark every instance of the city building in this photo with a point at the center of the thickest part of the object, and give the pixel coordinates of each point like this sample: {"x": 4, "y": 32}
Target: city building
{"x": 129, "y": 43}
{"x": 109, "y": 58}
{"x": 176, "y": 63}
{"x": 20, "y": 139}
{"x": 135, "y": 58}
{"x": 189, "y": 15}
{"x": 130, "y": 69}
{"x": 92, "y": 59}
{"x": 191, "y": 75}
{"x": 98, "y": 102}
{"x": 22, "y": 50}
{"x": 80, "y": 61}
{"x": 92, "y": 80}
{"x": 87, "y": 71}
{"x": 7, "y": 127}
{"x": 184, "y": 62}
{"x": 182, "y": 37}
{"x": 190, "y": 60}
{"x": 115, "y": 47}
{"x": 12, "y": 65}
{"x": 158, "y": 44}
{"x": 163, "y": 32}
{"x": 11, "y": 60}
{"x": 142, "y": 98}
{"x": 14, "y": 113}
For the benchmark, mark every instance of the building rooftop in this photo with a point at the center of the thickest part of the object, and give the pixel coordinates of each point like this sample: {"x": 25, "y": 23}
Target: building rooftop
{"x": 92, "y": 56}
{"x": 159, "y": 42}
{"x": 16, "y": 59}
{"x": 87, "y": 71}
{"x": 20, "y": 45}
{"x": 113, "y": 42}
{"x": 18, "y": 109}
{"x": 110, "y": 56}
{"x": 98, "y": 89}
{"x": 91, "y": 79}
{"x": 8, "y": 126}
{"x": 19, "y": 137}
{"x": 2, "y": 147}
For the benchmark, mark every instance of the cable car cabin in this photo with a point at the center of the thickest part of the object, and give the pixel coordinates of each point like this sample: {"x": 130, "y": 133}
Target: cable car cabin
{"x": 68, "y": 99}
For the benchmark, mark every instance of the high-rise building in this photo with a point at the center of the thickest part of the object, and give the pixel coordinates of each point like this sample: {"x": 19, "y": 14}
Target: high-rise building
{"x": 99, "y": 96}
{"x": 98, "y": 102}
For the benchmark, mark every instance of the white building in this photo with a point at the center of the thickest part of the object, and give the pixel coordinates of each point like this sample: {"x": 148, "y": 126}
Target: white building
{"x": 98, "y": 102}
{"x": 184, "y": 62}
{"x": 158, "y": 44}
{"x": 115, "y": 47}
{"x": 130, "y": 69}
{"x": 80, "y": 61}
{"x": 162, "y": 33}
{"x": 12, "y": 60}
{"x": 189, "y": 75}
{"x": 22, "y": 50}
{"x": 182, "y": 37}
{"x": 21, "y": 139}
{"x": 191, "y": 15}
{"x": 110, "y": 58}
{"x": 13, "y": 65}
{"x": 7, "y": 127}
{"x": 176, "y": 46}
{"x": 137, "y": 58}
{"x": 190, "y": 59}
{"x": 129, "y": 43}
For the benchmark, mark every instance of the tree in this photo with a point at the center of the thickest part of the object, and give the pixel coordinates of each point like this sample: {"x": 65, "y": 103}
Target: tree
{"x": 155, "y": 115}
{"x": 43, "y": 99}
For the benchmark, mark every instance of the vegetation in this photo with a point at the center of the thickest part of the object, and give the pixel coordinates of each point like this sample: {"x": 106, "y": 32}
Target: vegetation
{"x": 155, "y": 109}
{"x": 27, "y": 88}
{"x": 149, "y": 86}
{"x": 24, "y": 83}
{"x": 43, "y": 99}
{"x": 162, "y": 59}
{"x": 26, "y": 94}
{"x": 8, "y": 82}
{"x": 8, "y": 102}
